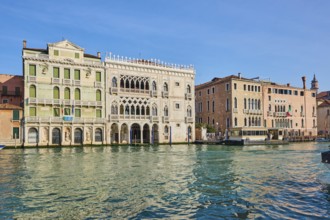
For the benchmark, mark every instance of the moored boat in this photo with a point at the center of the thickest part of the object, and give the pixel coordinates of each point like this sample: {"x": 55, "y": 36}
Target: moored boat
{"x": 322, "y": 140}
{"x": 2, "y": 147}
{"x": 326, "y": 158}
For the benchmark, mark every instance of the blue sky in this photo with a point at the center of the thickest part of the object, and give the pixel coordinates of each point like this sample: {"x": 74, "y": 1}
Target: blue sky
{"x": 280, "y": 40}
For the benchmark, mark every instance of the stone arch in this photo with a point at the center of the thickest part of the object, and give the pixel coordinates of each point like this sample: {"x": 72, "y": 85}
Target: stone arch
{"x": 33, "y": 136}
{"x": 136, "y": 133}
{"x": 78, "y": 136}
{"x": 56, "y": 136}
{"x": 124, "y": 134}
{"x": 98, "y": 136}
{"x": 114, "y": 134}
{"x": 33, "y": 91}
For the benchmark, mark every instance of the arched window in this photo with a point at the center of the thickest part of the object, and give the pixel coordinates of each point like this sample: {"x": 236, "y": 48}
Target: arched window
{"x": 154, "y": 111}
{"x": 147, "y": 85}
{"x": 67, "y": 93}
{"x": 132, "y": 84}
{"x": 165, "y": 87}
{"x": 235, "y": 121}
{"x": 188, "y": 89}
{"x": 114, "y": 108}
{"x": 166, "y": 129}
{"x": 137, "y": 84}
{"x": 147, "y": 110}
{"x": 235, "y": 102}
{"x": 127, "y": 110}
{"x": 114, "y": 82}
{"x": 132, "y": 110}
{"x": 122, "y": 83}
{"x": 98, "y": 95}
{"x": 154, "y": 86}
{"x": 142, "y": 85}
{"x": 77, "y": 94}
{"x": 127, "y": 84}
{"x": 56, "y": 93}
{"x": 245, "y": 122}
{"x": 142, "y": 110}
{"x": 165, "y": 111}
{"x": 121, "y": 109}
{"x": 244, "y": 103}
{"x": 33, "y": 91}
{"x": 255, "y": 104}
{"x": 259, "y": 105}
{"x": 189, "y": 111}
{"x": 249, "y": 104}
{"x": 137, "y": 110}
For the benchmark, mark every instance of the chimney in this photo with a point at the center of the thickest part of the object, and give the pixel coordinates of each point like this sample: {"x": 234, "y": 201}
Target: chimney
{"x": 304, "y": 81}
{"x": 24, "y": 43}
{"x": 99, "y": 54}
{"x": 239, "y": 75}
{"x": 288, "y": 84}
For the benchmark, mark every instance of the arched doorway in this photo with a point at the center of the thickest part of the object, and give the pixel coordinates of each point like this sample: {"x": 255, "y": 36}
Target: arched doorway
{"x": 189, "y": 133}
{"x": 114, "y": 134}
{"x": 78, "y": 136}
{"x": 33, "y": 136}
{"x": 98, "y": 135}
{"x": 155, "y": 134}
{"x": 56, "y": 136}
{"x": 146, "y": 134}
{"x": 136, "y": 133}
{"x": 124, "y": 134}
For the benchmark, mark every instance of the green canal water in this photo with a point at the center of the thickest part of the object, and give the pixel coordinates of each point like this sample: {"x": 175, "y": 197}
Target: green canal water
{"x": 178, "y": 182}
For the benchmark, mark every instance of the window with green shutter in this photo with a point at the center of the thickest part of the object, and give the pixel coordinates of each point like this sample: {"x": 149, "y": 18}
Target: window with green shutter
{"x": 77, "y": 94}
{"x": 56, "y": 112}
{"x": 16, "y": 115}
{"x": 56, "y": 52}
{"x": 4, "y": 90}
{"x": 56, "y": 92}
{"x": 66, "y": 73}
{"x": 98, "y": 76}
{"x": 56, "y": 72}
{"x": 76, "y": 74}
{"x": 98, "y": 113}
{"x": 98, "y": 95}
{"x": 77, "y": 113}
{"x": 76, "y": 55}
{"x": 16, "y": 133}
{"x": 32, "y": 70}
{"x": 33, "y": 93}
{"x": 67, "y": 111}
{"x": 33, "y": 111}
{"x": 66, "y": 93}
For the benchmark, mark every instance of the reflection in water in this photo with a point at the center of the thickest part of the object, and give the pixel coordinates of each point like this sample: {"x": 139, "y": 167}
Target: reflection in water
{"x": 164, "y": 182}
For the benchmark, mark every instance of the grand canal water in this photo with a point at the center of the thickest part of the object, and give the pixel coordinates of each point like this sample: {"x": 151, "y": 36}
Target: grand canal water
{"x": 180, "y": 182}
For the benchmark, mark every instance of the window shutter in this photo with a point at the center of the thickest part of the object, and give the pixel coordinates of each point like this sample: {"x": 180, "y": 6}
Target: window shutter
{"x": 32, "y": 111}
{"x": 56, "y": 72}
{"x": 98, "y": 76}
{"x": 77, "y": 74}
{"x": 66, "y": 73}
{"x": 32, "y": 70}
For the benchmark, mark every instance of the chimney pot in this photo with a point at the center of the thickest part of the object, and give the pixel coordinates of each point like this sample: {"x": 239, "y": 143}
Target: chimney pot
{"x": 304, "y": 81}
{"x": 24, "y": 43}
{"x": 99, "y": 54}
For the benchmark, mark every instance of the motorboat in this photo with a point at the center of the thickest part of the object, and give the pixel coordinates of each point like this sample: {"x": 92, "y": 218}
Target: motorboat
{"x": 322, "y": 140}
{"x": 2, "y": 147}
{"x": 326, "y": 158}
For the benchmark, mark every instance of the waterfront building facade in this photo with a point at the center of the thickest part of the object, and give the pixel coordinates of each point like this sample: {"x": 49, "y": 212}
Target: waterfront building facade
{"x": 10, "y": 124}
{"x": 73, "y": 98}
{"x": 323, "y": 113}
{"x": 12, "y": 87}
{"x": 251, "y": 109}
{"x": 290, "y": 112}
{"x": 232, "y": 105}
{"x": 149, "y": 101}
{"x": 64, "y": 95}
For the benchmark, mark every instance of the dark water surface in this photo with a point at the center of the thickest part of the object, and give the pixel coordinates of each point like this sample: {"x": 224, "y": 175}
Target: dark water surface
{"x": 178, "y": 182}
